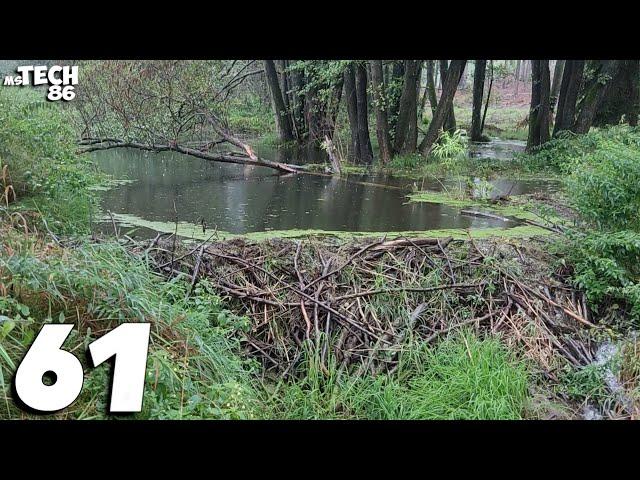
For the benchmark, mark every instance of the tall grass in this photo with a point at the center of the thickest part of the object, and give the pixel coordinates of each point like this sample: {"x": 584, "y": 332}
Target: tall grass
{"x": 193, "y": 369}
{"x": 463, "y": 377}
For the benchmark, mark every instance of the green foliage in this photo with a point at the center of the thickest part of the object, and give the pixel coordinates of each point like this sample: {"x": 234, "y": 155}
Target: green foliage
{"x": 461, "y": 378}
{"x": 37, "y": 144}
{"x": 193, "y": 370}
{"x": 603, "y": 185}
{"x": 409, "y": 161}
{"x": 450, "y": 147}
{"x": 606, "y": 267}
{"x": 247, "y": 113}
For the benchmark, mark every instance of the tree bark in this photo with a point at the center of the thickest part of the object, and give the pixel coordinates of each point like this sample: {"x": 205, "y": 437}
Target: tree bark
{"x": 366, "y": 152}
{"x": 283, "y": 124}
{"x": 539, "y": 111}
{"x": 352, "y": 108}
{"x": 569, "y": 89}
{"x": 297, "y": 103}
{"x": 450, "y": 119}
{"x": 444, "y": 105}
{"x": 408, "y": 107}
{"x": 594, "y": 94}
{"x": 478, "y": 95}
{"x": 431, "y": 87}
{"x": 620, "y": 100}
{"x": 555, "y": 86}
{"x": 382, "y": 123}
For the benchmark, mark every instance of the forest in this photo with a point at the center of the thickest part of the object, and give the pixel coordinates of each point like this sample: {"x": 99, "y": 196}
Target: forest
{"x": 331, "y": 239}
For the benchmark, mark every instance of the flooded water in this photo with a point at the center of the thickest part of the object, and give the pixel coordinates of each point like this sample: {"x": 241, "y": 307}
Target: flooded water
{"x": 167, "y": 186}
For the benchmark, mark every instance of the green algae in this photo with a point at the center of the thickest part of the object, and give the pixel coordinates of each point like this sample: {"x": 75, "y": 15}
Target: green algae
{"x": 514, "y": 211}
{"x": 193, "y": 231}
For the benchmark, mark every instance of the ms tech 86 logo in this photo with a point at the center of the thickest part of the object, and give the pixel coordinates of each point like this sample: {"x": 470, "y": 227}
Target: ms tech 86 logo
{"x": 61, "y": 80}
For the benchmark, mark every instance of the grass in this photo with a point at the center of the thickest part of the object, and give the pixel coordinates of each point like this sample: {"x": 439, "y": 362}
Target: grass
{"x": 193, "y": 369}
{"x": 463, "y": 378}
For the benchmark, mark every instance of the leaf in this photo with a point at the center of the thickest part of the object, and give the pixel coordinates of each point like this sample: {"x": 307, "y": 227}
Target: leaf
{"x": 5, "y": 356}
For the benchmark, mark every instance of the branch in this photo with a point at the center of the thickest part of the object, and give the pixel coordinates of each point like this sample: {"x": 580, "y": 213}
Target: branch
{"x": 93, "y": 144}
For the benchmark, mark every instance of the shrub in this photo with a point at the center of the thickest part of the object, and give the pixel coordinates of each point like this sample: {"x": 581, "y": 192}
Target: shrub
{"x": 37, "y": 145}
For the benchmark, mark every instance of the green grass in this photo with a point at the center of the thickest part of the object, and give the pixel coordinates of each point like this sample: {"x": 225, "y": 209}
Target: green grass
{"x": 463, "y": 377}
{"x": 193, "y": 368}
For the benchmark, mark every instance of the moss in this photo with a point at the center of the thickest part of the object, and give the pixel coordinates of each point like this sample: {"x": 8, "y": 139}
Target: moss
{"x": 514, "y": 211}
{"x": 193, "y": 231}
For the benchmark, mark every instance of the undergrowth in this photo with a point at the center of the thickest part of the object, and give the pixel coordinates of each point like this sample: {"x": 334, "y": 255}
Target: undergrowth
{"x": 463, "y": 377}
{"x": 37, "y": 147}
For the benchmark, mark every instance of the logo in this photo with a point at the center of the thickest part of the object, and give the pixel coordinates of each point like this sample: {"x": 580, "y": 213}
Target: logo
{"x": 61, "y": 80}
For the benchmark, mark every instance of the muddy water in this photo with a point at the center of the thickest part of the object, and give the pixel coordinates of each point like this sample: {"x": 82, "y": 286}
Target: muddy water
{"x": 167, "y": 186}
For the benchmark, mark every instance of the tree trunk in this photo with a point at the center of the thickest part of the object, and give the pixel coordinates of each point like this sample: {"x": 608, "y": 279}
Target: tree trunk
{"x": 431, "y": 87}
{"x": 450, "y": 119}
{"x": 478, "y": 95}
{"x": 606, "y": 70}
{"x": 382, "y": 123}
{"x": 283, "y": 124}
{"x": 557, "y": 80}
{"x": 634, "y": 112}
{"x": 411, "y": 143}
{"x": 408, "y": 108}
{"x": 366, "y": 152}
{"x": 397, "y": 75}
{"x": 444, "y": 105}
{"x": 620, "y": 99}
{"x": 297, "y": 103}
{"x": 539, "y": 112}
{"x": 569, "y": 89}
{"x": 486, "y": 104}
{"x": 352, "y": 108}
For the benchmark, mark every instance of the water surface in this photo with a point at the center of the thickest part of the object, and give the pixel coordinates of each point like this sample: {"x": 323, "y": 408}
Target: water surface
{"x": 167, "y": 186}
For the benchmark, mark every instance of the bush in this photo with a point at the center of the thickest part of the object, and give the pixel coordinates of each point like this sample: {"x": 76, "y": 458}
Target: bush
{"x": 604, "y": 185}
{"x": 606, "y": 266}
{"x": 37, "y": 145}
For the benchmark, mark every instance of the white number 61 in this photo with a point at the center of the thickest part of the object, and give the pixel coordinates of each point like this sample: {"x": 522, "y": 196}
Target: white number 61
{"x": 129, "y": 343}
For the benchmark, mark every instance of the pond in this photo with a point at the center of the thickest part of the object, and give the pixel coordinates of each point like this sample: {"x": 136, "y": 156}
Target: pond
{"x": 167, "y": 186}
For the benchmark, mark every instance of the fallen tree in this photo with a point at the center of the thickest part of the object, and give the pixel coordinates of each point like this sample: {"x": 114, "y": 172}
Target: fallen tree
{"x": 164, "y": 106}
{"x": 202, "y": 151}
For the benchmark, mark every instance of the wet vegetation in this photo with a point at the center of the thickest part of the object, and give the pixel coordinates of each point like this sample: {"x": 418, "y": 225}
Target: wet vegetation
{"x": 479, "y": 322}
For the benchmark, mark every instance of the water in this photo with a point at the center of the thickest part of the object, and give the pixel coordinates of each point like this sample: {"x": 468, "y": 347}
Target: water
{"x": 241, "y": 199}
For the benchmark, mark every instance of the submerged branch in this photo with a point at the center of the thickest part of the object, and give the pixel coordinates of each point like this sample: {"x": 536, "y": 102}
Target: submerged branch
{"x": 93, "y": 144}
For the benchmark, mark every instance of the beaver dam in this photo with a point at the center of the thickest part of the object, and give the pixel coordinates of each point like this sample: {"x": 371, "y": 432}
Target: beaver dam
{"x": 362, "y": 304}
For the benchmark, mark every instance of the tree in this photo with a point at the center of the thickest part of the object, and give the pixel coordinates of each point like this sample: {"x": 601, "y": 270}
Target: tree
{"x": 540, "y": 106}
{"x": 352, "y": 108}
{"x": 165, "y": 105}
{"x": 382, "y": 123}
{"x": 366, "y": 152}
{"x": 569, "y": 90}
{"x": 431, "y": 87}
{"x": 621, "y": 98}
{"x": 450, "y": 118}
{"x": 600, "y": 74}
{"x": 407, "y": 114}
{"x": 555, "y": 86}
{"x": 283, "y": 122}
{"x": 478, "y": 95}
{"x": 444, "y": 106}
